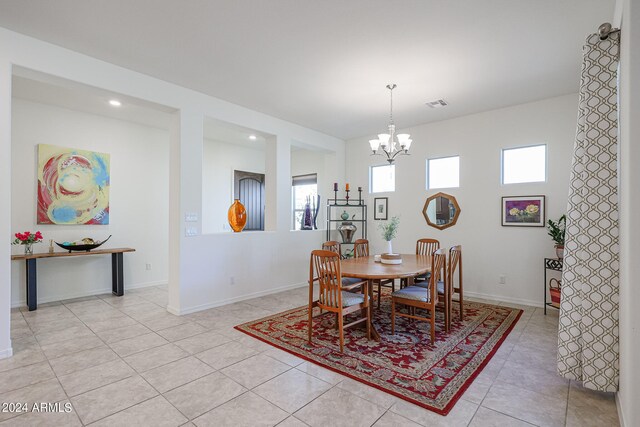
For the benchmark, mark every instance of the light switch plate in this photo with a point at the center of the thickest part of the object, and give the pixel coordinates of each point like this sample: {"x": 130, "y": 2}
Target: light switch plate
{"x": 191, "y": 217}
{"x": 191, "y": 231}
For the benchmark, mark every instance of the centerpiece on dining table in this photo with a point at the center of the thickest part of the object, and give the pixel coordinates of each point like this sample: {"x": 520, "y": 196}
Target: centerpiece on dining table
{"x": 389, "y": 231}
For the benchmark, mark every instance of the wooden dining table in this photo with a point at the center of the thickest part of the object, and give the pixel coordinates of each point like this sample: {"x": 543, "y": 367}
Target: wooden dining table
{"x": 367, "y": 269}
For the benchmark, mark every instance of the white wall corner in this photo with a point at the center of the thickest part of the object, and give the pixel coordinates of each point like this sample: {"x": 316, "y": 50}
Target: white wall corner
{"x": 6, "y": 353}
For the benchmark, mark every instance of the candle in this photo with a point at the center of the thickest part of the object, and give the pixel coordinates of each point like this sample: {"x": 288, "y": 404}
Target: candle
{"x": 347, "y": 186}
{"x": 335, "y": 186}
{"x": 359, "y": 188}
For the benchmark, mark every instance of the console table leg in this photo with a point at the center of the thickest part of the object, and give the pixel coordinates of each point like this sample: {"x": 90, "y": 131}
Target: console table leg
{"x": 117, "y": 274}
{"x": 32, "y": 292}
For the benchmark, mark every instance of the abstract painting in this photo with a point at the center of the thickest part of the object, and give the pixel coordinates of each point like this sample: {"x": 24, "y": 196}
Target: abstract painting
{"x": 73, "y": 186}
{"x": 523, "y": 211}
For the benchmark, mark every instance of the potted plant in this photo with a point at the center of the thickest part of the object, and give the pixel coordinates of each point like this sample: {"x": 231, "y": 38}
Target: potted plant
{"x": 389, "y": 231}
{"x": 557, "y": 230}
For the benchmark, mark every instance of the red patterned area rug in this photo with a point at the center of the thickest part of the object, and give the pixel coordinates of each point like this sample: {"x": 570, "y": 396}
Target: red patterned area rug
{"x": 406, "y": 364}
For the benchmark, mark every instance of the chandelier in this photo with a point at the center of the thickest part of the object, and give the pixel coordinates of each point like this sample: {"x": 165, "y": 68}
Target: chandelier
{"x": 386, "y": 144}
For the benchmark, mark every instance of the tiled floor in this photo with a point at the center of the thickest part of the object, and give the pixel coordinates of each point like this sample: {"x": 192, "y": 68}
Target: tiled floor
{"x": 126, "y": 361}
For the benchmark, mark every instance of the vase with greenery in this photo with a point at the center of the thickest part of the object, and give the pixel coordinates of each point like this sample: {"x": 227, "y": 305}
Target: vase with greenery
{"x": 27, "y": 239}
{"x": 557, "y": 231}
{"x": 389, "y": 231}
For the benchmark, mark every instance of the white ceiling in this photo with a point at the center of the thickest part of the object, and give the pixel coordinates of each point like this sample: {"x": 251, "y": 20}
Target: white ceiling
{"x": 325, "y": 64}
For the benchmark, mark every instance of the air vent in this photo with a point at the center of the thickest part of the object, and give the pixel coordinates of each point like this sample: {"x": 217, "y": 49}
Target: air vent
{"x": 437, "y": 104}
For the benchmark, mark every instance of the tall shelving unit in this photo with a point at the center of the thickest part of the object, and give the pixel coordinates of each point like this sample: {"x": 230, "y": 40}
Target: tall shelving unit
{"x": 357, "y": 210}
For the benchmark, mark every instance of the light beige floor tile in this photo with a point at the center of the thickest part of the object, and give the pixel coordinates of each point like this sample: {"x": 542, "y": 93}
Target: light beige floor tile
{"x": 255, "y": 370}
{"x": 226, "y": 354}
{"x": 292, "y": 390}
{"x": 52, "y": 324}
{"x": 107, "y": 325}
{"x": 202, "y": 395}
{"x": 84, "y": 359}
{"x": 538, "y": 380}
{"x": 283, "y": 356}
{"x": 20, "y": 332}
{"x": 338, "y": 408}
{"x": 373, "y": 395}
{"x": 202, "y": 342}
{"x": 534, "y": 358}
{"x": 591, "y": 408}
{"x": 143, "y": 310}
{"x": 247, "y": 410}
{"x": 156, "y": 412}
{"x": 61, "y": 415}
{"x": 111, "y": 314}
{"x": 112, "y": 398}
{"x": 292, "y": 422}
{"x": 137, "y": 344}
{"x": 67, "y": 333}
{"x": 478, "y": 388}
{"x": 391, "y": 419}
{"x": 320, "y": 372}
{"x": 25, "y": 352}
{"x": 526, "y": 405}
{"x": 116, "y": 301}
{"x": 485, "y": 417}
{"x": 155, "y": 357}
{"x": 254, "y": 343}
{"x": 182, "y": 331}
{"x": 461, "y": 414}
{"x": 175, "y": 374}
{"x": 46, "y": 391}
{"x": 73, "y": 345}
{"x": 163, "y": 321}
{"x": 95, "y": 377}
{"x": 122, "y": 333}
{"x": 24, "y": 376}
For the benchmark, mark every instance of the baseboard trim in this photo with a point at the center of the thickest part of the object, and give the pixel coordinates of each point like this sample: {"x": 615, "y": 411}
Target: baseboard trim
{"x": 502, "y": 298}
{"x": 23, "y": 303}
{"x": 620, "y": 411}
{"x": 235, "y": 299}
{"x": 6, "y": 353}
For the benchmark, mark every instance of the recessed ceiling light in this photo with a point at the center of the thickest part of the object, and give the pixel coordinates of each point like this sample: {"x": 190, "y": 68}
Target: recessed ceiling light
{"x": 253, "y": 137}
{"x": 115, "y": 103}
{"x": 439, "y": 103}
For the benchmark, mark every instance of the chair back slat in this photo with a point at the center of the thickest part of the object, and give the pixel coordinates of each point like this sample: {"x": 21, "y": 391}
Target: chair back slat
{"x": 327, "y": 269}
{"x": 438, "y": 272}
{"x": 332, "y": 246}
{"x": 361, "y": 248}
{"x": 427, "y": 246}
{"x": 455, "y": 262}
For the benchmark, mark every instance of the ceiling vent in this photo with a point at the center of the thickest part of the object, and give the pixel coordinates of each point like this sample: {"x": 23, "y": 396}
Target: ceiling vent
{"x": 437, "y": 104}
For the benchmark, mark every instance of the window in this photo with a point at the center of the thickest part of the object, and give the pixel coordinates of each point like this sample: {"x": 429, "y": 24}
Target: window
{"x": 382, "y": 178}
{"x": 443, "y": 172}
{"x": 304, "y": 189}
{"x": 524, "y": 164}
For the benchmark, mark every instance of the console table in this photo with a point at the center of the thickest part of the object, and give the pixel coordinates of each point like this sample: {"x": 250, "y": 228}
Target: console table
{"x": 117, "y": 274}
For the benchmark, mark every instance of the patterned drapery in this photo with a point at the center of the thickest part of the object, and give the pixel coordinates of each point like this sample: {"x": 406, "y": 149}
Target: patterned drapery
{"x": 588, "y": 327}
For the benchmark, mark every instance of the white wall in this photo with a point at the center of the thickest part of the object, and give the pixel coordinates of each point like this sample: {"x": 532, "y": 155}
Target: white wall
{"x": 199, "y": 266}
{"x": 629, "y": 409}
{"x": 491, "y": 250}
{"x": 139, "y": 201}
{"x": 219, "y": 160}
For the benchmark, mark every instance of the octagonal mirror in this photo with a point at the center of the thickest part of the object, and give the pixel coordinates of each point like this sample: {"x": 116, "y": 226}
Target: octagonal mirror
{"x": 441, "y": 211}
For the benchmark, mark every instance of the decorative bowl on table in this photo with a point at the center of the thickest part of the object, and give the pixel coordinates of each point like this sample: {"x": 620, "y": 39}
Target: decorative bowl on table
{"x": 85, "y": 244}
{"x": 391, "y": 258}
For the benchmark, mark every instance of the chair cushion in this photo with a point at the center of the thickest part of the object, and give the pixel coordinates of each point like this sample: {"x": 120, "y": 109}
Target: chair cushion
{"x": 439, "y": 286}
{"x": 423, "y": 277}
{"x": 350, "y": 298}
{"x": 413, "y": 292}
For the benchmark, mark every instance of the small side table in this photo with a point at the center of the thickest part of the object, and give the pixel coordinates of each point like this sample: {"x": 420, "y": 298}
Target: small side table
{"x": 554, "y": 264}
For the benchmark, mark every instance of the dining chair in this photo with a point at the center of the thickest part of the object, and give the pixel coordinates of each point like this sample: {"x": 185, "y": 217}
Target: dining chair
{"x": 423, "y": 247}
{"x": 361, "y": 249}
{"x": 455, "y": 263}
{"x": 350, "y": 283}
{"x": 416, "y": 297}
{"x": 326, "y": 265}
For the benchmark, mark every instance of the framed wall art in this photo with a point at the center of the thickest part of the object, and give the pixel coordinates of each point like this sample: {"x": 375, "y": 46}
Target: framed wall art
{"x": 523, "y": 211}
{"x": 380, "y": 208}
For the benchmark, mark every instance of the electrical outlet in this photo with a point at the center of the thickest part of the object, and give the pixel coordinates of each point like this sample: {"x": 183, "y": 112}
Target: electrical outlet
{"x": 148, "y": 265}
{"x": 503, "y": 279}
{"x": 232, "y": 280}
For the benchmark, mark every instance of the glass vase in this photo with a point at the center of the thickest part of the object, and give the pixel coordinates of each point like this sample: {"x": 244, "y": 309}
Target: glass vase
{"x": 237, "y": 216}
{"x": 28, "y": 248}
